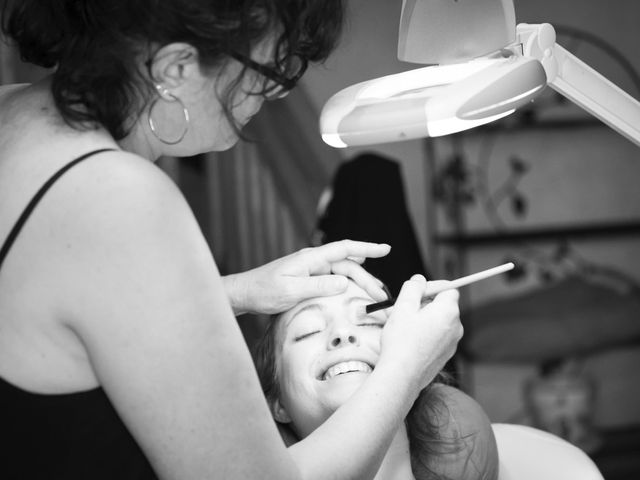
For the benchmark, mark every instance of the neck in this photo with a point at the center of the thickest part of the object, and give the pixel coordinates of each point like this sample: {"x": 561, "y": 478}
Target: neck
{"x": 396, "y": 464}
{"x": 137, "y": 142}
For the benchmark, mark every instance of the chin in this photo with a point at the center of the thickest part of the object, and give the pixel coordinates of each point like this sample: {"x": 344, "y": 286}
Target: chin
{"x": 221, "y": 140}
{"x": 229, "y": 142}
{"x": 340, "y": 389}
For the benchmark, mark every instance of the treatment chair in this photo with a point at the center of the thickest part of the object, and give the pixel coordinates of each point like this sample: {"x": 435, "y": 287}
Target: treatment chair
{"x": 527, "y": 453}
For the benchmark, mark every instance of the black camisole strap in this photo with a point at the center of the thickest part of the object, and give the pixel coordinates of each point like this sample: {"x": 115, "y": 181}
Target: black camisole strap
{"x": 36, "y": 198}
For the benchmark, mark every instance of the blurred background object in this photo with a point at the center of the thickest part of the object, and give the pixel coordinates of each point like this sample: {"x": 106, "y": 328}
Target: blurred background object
{"x": 367, "y": 202}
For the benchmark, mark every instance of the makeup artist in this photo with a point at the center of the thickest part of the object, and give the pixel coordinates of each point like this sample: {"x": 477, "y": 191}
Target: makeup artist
{"x": 120, "y": 356}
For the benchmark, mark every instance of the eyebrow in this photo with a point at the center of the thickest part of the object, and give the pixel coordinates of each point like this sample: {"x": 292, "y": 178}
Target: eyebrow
{"x": 311, "y": 306}
{"x": 320, "y": 307}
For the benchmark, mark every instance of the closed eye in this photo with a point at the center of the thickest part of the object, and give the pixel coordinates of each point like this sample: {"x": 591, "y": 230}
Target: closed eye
{"x": 305, "y": 335}
{"x": 375, "y": 319}
{"x": 371, "y": 324}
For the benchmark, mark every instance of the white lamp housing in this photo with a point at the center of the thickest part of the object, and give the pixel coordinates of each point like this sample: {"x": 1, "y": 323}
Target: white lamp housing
{"x": 430, "y": 101}
{"x": 447, "y": 98}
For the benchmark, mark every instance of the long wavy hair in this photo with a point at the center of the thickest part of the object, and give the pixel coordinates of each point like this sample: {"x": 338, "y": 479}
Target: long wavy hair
{"x": 99, "y": 47}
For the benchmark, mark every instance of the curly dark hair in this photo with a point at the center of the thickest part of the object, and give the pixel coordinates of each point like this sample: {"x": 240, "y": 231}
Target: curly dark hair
{"x": 98, "y": 47}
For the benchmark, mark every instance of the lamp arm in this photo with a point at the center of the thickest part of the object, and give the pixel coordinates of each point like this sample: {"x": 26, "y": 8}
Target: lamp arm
{"x": 580, "y": 83}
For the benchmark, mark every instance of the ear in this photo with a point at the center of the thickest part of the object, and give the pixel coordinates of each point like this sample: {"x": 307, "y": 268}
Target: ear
{"x": 279, "y": 412}
{"x": 174, "y": 64}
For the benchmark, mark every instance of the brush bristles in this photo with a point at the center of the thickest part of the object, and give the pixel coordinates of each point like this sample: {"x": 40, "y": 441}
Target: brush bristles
{"x": 374, "y": 307}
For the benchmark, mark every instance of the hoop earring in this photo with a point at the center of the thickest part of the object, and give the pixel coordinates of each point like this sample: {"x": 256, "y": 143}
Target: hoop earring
{"x": 152, "y": 124}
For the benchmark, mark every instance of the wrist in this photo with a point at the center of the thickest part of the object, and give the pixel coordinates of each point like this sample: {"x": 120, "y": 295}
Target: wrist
{"x": 235, "y": 293}
{"x": 407, "y": 382}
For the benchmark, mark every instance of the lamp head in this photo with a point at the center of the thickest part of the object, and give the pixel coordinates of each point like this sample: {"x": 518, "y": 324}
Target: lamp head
{"x": 477, "y": 79}
{"x": 485, "y": 68}
{"x": 430, "y": 101}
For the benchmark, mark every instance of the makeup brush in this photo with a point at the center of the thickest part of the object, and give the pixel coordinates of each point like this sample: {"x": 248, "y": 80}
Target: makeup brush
{"x": 460, "y": 282}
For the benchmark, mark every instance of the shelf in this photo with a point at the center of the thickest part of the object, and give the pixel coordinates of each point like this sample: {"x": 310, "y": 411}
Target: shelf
{"x": 591, "y": 232}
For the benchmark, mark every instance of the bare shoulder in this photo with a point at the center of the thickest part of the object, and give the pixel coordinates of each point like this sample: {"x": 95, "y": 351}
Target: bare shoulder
{"x": 117, "y": 190}
{"x": 121, "y": 225}
{"x": 125, "y": 172}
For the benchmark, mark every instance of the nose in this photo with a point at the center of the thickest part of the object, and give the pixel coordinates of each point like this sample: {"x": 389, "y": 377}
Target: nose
{"x": 342, "y": 337}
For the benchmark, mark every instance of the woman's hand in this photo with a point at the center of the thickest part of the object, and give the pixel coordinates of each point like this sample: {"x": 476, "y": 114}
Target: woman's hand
{"x": 310, "y": 272}
{"x": 421, "y": 335}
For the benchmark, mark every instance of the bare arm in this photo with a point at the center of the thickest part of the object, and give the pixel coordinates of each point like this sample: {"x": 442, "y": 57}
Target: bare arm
{"x": 144, "y": 296}
{"x": 148, "y": 303}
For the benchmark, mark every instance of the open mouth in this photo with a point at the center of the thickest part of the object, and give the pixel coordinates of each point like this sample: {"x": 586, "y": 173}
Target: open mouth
{"x": 346, "y": 367}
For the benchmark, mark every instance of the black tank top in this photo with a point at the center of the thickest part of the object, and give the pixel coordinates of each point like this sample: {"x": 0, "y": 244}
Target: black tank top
{"x": 74, "y": 436}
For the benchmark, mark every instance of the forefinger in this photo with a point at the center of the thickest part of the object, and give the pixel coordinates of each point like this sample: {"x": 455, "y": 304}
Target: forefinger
{"x": 318, "y": 257}
{"x": 364, "y": 279}
{"x": 434, "y": 287}
{"x": 410, "y": 296}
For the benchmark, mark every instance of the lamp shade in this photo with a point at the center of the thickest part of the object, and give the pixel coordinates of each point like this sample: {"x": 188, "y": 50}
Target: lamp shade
{"x": 448, "y": 31}
{"x": 430, "y": 101}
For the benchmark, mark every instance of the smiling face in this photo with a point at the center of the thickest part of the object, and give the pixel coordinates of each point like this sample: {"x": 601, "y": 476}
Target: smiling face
{"x": 324, "y": 351}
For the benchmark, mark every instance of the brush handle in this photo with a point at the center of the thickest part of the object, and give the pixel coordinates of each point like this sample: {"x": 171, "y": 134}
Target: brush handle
{"x": 460, "y": 282}
{"x": 474, "y": 277}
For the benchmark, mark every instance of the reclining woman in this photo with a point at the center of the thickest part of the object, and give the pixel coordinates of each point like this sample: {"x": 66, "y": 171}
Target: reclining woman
{"x": 314, "y": 356}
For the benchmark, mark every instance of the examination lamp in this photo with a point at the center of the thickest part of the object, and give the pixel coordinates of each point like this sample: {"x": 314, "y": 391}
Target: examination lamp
{"x": 482, "y": 67}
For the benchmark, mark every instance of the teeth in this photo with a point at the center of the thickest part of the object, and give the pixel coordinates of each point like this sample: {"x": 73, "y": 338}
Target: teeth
{"x": 345, "y": 367}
